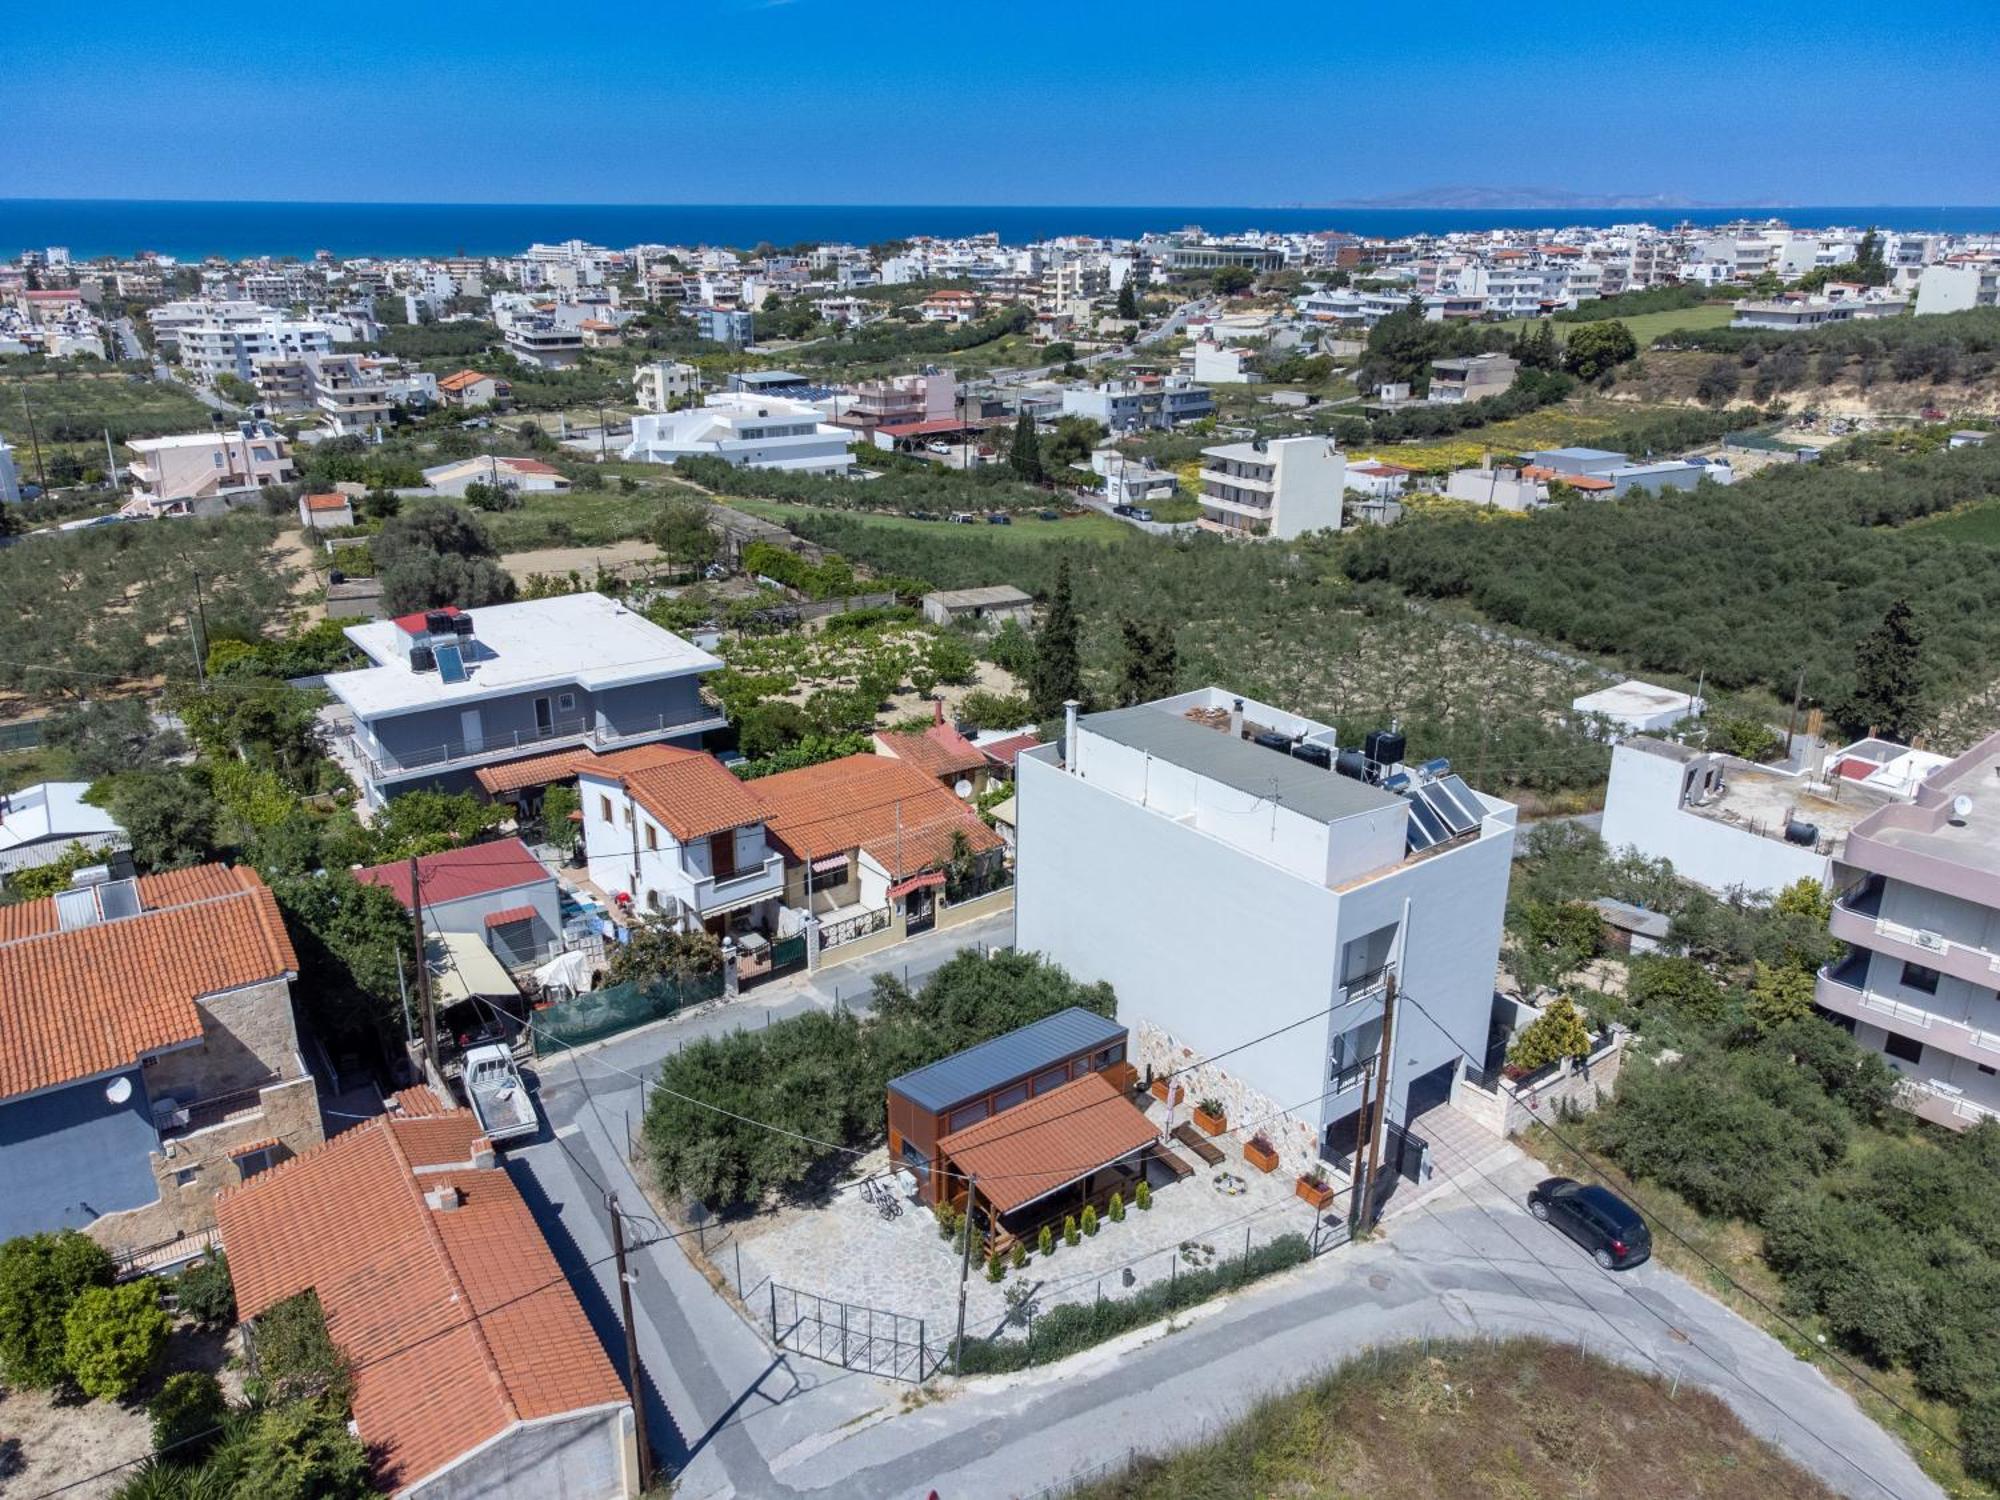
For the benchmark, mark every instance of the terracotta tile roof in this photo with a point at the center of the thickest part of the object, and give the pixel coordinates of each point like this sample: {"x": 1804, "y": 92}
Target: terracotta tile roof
{"x": 458, "y": 1321}
{"x": 692, "y": 794}
{"x": 511, "y": 914}
{"x": 530, "y": 466}
{"x": 456, "y": 874}
{"x": 83, "y": 1002}
{"x": 421, "y": 1100}
{"x": 532, "y": 770}
{"x": 326, "y": 502}
{"x": 1047, "y": 1143}
{"x": 464, "y": 378}
{"x": 1006, "y": 752}
{"x": 940, "y": 751}
{"x": 852, "y": 803}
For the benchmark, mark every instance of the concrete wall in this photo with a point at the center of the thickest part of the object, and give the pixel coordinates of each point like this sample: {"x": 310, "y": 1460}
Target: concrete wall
{"x": 591, "y": 1456}
{"x": 469, "y": 915}
{"x": 1643, "y": 811}
{"x": 71, "y": 1155}
{"x": 426, "y": 733}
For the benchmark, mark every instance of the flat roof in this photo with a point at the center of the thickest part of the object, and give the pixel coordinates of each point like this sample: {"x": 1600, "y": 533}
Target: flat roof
{"x": 979, "y": 598}
{"x": 1633, "y": 697}
{"x": 992, "y": 1064}
{"x": 585, "y": 639}
{"x": 48, "y": 810}
{"x": 1307, "y": 789}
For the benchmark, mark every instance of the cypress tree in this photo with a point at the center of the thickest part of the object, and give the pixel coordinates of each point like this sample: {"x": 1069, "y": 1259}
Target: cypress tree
{"x": 1025, "y": 457}
{"x": 1128, "y": 301}
{"x": 1057, "y": 674}
{"x": 1888, "y": 677}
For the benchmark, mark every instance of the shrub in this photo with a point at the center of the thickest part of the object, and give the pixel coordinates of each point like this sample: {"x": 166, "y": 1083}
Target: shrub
{"x": 41, "y": 1275}
{"x": 1070, "y": 1234}
{"x": 303, "y": 1451}
{"x": 947, "y": 1221}
{"x": 205, "y": 1293}
{"x": 113, "y": 1335}
{"x": 1979, "y": 1437}
{"x": 1557, "y": 1033}
{"x": 1018, "y": 1256}
{"x": 296, "y": 1358}
{"x": 186, "y": 1413}
{"x": 1118, "y": 1208}
{"x": 1045, "y": 1242}
{"x": 996, "y": 1267}
{"x": 1143, "y": 1195}
{"x": 1089, "y": 1219}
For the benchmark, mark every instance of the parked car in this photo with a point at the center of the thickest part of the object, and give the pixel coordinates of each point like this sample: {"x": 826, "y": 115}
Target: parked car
{"x": 999, "y": 519}
{"x": 1596, "y": 1218}
{"x": 1140, "y": 513}
{"x": 1049, "y": 515}
{"x": 965, "y": 518}
{"x": 943, "y": 450}
{"x": 1124, "y": 510}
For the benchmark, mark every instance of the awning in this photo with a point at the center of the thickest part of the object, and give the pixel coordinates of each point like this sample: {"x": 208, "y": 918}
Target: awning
{"x": 511, "y": 914}
{"x": 1053, "y": 1140}
{"x": 916, "y": 883}
{"x": 828, "y": 865}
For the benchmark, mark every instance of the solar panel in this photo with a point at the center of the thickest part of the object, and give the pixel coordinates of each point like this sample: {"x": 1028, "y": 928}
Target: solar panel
{"x": 76, "y": 908}
{"x": 451, "y": 663}
{"x": 1461, "y": 808}
{"x": 118, "y": 898}
{"x": 1426, "y": 827}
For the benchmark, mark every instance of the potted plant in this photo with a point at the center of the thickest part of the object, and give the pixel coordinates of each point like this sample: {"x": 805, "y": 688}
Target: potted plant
{"x": 1314, "y": 1187}
{"x": 1209, "y": 1115}
{"x": 1167, "y": 1091}
{"x": 1260, "y": 1153}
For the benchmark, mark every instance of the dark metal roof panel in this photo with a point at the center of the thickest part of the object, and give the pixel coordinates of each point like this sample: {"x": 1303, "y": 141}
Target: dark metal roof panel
{"x": 1027, "y": 1049}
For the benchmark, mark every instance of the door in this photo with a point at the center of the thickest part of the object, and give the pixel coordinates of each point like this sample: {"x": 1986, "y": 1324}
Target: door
{"x": 722, "y": 855}
{"x": 545, "y": 717}
{"x": 471, "y": 731}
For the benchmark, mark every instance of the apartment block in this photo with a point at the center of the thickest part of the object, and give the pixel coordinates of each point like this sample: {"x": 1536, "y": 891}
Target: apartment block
{"x": 1919, "y": 910}
{"x": 1137, "y": 403}
{"x": 197, "y": 473}
{"x": 1278, "y": 487}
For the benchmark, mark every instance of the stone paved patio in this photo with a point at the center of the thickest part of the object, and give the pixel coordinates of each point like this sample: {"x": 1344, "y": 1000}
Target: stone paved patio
{"x": 846, "y": 1250}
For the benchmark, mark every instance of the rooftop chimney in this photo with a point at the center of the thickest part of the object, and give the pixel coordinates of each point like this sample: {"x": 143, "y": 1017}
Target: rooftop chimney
{"x": 937, "y": 708}
{"x": 1236, "y": 719}
{"x": 443, "y": 1198}
{"x": 1070, "y": 706}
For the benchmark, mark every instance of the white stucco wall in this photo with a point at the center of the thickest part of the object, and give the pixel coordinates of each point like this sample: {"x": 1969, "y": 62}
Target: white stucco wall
{"x": 1642, "y": 810}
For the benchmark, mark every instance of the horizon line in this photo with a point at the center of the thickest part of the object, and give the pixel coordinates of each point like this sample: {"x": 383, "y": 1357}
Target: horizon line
{"x": 1338, "y": 206}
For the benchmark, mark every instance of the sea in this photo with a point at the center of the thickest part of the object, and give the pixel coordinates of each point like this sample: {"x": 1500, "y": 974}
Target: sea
{"x": 189, "y": 230}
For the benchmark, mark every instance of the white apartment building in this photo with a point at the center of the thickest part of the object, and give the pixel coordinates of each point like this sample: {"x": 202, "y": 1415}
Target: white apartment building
{"x": 230, "y": 347}
{"x": 1132, "y": 481}
{"x": 1958, "y": 287}
{"x": 745, "y": 429}
{"x": 1281, "y": 487}
{"x": 10, "y": 475}
{"x": 197, "y": 472}
{"x": 1919, "y": 909}
{"x": 1199, "y": 854}
{"x": 656, "y": 387}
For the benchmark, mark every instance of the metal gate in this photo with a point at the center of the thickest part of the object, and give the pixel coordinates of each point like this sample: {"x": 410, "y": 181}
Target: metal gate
{"x": 853, "y": 1336}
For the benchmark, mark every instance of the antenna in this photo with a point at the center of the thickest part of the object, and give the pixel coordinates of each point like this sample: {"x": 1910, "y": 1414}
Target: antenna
{"x": 1961, "y": 808}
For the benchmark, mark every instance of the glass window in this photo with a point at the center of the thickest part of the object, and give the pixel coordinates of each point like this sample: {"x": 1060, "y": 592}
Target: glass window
{"x": 253, "y": 1162}
{"x": 604, "y": 806}
{"x": 916, "y": 1161}
{"x": 966, "y": 1114}
{"x": 1917, "y": 977}
{"x": 186, "y": 1176}
{"x": 1053, "y": 1078}
{"x": 652, "y": 837}
{"x": 1009, "y": 1097}
{"x": 1909, "y": 1049}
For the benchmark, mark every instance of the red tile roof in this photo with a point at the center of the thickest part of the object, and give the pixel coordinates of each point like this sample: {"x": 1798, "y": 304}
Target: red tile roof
{"x": 456, "y": 874}
{"x": 690, "y": 792}
{"x": 459, "y": 1322}
{"x": 77, "y": 1003}
{"x": 333, "y": 501}
{"x": 1006, "y": 752}
{"x": 532, "y": 770}
{"x": 511, "y": 914}
{"x": 1031, "y": 1150}
{"x": 531, "y": 466}
{"x": 900, "y": 816}
{"x": 940, "y": 751}
{"x": 464, "y": 378}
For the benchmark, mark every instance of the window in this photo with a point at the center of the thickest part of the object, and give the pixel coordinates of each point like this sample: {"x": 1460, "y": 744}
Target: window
{"x": 566, "y": 702}
{"x": 916, "y": 1161}
{"x": 966, "y": 1114}
{"x": 1909, "y": 1049}
{"x": 653, "y": 900}
{"x": 1009, "y": 1097}
{"x": 1917, "y": 977}
{"x": 185, "y": 1176}
{"x": 1989, "y": 1072}
{"x": 604, "y": 806}
{"x": 250, "y": 1163}
{"x": 652, "y": 837}
{"x": 1054, "y": 1078}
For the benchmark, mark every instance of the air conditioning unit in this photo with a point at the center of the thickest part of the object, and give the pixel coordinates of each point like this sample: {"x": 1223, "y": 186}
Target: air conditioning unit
{"x": 1933, "y": 941}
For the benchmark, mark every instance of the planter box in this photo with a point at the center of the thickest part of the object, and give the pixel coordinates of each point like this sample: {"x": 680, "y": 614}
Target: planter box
{"x": 1262, "y": 1157}
{"x": 1314, "y": 1194}
{"x": 1160, "y": 1092}
{"x": 1211, "y": 1124}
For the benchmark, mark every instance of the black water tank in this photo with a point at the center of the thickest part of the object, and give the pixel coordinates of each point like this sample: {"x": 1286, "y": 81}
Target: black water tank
{"x": 1801, "y": 833}
{"x": 422, "y": 659}
{"x": 1270, "y": 739}
{"x": 1316, "y": 755}
{"x": 1352, "y": 763}
{"x": 1383, "y": 746}
{"x": 334, "y": 575}
{"x": 462, "y": 624}
{"x": 437, "y": 621}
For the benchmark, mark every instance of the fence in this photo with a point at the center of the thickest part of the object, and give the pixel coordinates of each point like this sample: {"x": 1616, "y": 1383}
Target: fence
{"x": 853, "y": 1336}
{"x": 620, "y": 1007}
{"x": 22, "y": 734}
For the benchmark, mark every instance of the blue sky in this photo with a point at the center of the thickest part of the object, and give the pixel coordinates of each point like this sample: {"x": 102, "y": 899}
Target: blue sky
{"x": 882, "y": 101}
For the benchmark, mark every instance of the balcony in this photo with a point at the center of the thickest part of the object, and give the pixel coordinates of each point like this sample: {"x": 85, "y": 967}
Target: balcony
{"x": 176, "y": 1120}
{"x": 381, "y": 764}
{"x": 1857, "y": 919}
{"x": 711, "y": 896}
{"x": 1941, "y": 1104}
{"x": 1232, "y": 479}
{"x": 1842, "y": 989}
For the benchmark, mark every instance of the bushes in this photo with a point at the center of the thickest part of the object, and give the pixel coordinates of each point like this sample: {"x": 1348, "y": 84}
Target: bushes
{"x": 205, "y": 1292}
{"x": 41, "y": 1278}
{"x": 1074, "y": 1326}
{"x": 296, "y": 1359}
{"x": 185, "y": 1414}
{"x": 113, "y": 1335}
{"x": 1045, "y": 1242}
{"x": 1554, "y": 1036}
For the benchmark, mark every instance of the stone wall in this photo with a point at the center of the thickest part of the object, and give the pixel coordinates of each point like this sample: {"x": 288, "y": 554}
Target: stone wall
{"x": 248, "y": 1036}
{"x": 1248, "y": 1111}
{"x": 1573, "y": 1085}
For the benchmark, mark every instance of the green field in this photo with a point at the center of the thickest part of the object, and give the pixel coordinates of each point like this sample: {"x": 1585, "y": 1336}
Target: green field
{"x": 574, "y": 518}
{"x": 1026, "y": 530}
{"x": 1648, "y": 326}
{"x": 1973, "y": 523}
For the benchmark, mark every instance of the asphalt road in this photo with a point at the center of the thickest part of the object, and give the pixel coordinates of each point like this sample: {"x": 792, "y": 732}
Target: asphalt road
{"x": 731, "y": 1418}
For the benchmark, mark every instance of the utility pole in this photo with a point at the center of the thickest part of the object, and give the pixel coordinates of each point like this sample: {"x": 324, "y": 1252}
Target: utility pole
{"x": 201, "y": 608}
{"x": 194, "y": 639}
{"x": 1382, "y": 1082}
{"x": 1360, "y": 1162}
{"x": 1792, "y": 724}
{"x": 631, "y": 1347}
{"x": 964, "y": 1270}
{"x": 110, "y": 461}
{"x": 429, "y": 1010}
{"x": 34, "y": 438}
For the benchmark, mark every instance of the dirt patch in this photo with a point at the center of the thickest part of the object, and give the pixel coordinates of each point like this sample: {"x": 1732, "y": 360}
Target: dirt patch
{"x": 584, "y": 560}
{"x": 49, "y": 1442}
{"x": 1481, "y": 1421}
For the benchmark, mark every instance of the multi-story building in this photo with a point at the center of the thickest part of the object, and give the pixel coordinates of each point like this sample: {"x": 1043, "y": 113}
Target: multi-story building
{"x": 10, "y": 475}
{"x": 546, "y": 343}
{"x": 1958, "y": 286}
{"x": 723, "y": 325}
{"x": 1136, "y": 403}
{"x": 1472, "y": 378}
{"x": 198, "y": 472}
{"x": 1919, "y": 910}
{"x": 658, "y": 386}
{"x": 228, "y": 338}
{"x": 899, "y": 401}
{"x": 444, "y": 698}
{"x": 152, "y": 1055}
{"x": 745, "y": 429}
{"x": 1207, "y": 856}
{"x": 1275, "y": 487}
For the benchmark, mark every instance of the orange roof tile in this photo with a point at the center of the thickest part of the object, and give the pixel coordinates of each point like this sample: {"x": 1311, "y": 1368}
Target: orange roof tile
{"x": 900, "y": 816}
{"x": 939, "y": 751}
{"x": 334, "y": 501}
{"x": 77, "y": 1003}
{"x": 458, "y": 1321}
{"x": 1026, "y": 1152}
{"x": 532, "y": 770}
{"x": 464, "y": 378}
{"x": 693, "y": 797}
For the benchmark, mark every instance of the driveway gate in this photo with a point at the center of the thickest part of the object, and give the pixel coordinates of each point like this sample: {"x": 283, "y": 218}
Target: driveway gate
{"x": 852, "y": 1336}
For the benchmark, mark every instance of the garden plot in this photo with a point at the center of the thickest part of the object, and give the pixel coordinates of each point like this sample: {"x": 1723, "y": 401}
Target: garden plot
{"x": 901, "y": 665}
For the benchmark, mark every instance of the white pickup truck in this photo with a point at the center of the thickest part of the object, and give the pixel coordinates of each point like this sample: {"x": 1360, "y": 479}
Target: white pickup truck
{"x": 500, "y": 1101}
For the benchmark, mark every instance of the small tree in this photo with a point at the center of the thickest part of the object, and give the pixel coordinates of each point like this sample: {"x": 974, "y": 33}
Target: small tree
{"x": 656, "y": 951}
{"x": 1142, "y": 1195}
{"x": 1071, "y": 1235}
{"x": 1888, "y": 677}
{"x": 1045, "y": 1242}
{"x": 1056, "y": 675}
{"x": 996, "y": 1267}
{"x": 1128, "y": 300}
{"x": 1779, "y": 994}
{"x": 113, "y": 1335}
{"x": 296, "y": 1358}
{"x": 302, "y": 1450}
{"x": 1979, "y": 1437}
{"x": 205, "y": 1292}
{"x": 1118, "y": 1208}
{"x": 1018, "y": 1256}
{"x": 1089, "y": 1219}
{"x": 41, "y": 1276}
{"x": 559, "y": 828}
{"x": 1024, "y": 457}
{"x": 1557, "y": 1033}
{"x": 186, "y": 1413}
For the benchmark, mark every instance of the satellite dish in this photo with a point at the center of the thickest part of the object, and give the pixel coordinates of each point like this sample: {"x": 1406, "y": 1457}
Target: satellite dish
{"x": 964, "y": 790}
{"x": 1961, "y": 808}
{"x": 119, "y": 1090}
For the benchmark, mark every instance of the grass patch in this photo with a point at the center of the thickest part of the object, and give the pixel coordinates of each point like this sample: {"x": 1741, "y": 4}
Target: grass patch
{"x": 1974, "y": 523}
{"x": 1648, "y": 326}
{"x": 1476, "y": 1421}
{"x": 575, "y": 518}
{"x": 1026, "y": 530}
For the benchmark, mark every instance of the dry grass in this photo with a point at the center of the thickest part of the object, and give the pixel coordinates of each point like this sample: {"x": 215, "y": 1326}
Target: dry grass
{"x": 1513, "y": 1420}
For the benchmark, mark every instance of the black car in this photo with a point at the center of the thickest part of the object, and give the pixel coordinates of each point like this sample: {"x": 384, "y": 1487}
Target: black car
{"x": 996, "y": 519}
{"x": 1596, "y": 1218}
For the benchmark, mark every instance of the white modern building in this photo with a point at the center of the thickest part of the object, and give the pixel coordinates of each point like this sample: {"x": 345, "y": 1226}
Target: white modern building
{"x": 1140, "y": 403}
{"x": 10, "y": 475}
{"x": 40, "y": 823}
{"x": 748, "y": 430}
{"x": 1132, "y": 481}
{"x": 229, "y": 338}
{"x": 656, "y": 387}
{"x": 1958, "y": 286}
{"x": 1635, "y": 707}
{"x": 1280, "y": 487}
{"x": 1203, "y": 855}
{"x": 1919, "y": 909}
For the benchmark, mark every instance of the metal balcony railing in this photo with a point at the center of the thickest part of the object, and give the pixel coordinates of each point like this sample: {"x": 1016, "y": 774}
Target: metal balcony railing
{"x": 380, "y": 762}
